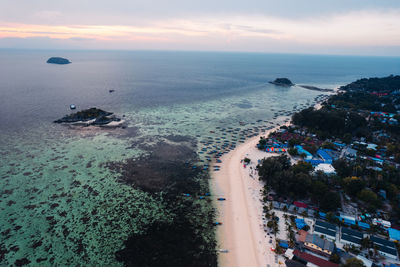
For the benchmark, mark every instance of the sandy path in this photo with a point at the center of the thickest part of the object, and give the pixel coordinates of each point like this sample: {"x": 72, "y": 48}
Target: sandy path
{"x": 242, "y": 231}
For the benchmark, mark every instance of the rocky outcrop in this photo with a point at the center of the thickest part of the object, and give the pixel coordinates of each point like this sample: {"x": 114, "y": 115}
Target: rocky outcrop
{"x": 92, "y": 116}
{"x": 282, "y": 82}
{"x": 58, "y": 60}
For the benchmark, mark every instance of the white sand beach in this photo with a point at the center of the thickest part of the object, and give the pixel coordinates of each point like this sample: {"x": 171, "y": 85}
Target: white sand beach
{"x": 242, "y": 232}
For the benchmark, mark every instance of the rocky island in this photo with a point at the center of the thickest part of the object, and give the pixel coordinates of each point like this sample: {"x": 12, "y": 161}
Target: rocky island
{"x": 92, "y": 116}
{"x": 58, "y": 60}
{"x": 282, "y": 82}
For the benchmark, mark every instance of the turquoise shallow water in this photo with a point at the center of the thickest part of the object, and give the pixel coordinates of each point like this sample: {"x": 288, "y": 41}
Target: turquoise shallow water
{"x": 59, "y": 204}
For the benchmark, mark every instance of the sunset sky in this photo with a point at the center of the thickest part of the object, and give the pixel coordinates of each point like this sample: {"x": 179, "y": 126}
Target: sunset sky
{"x": 360, "y": 27}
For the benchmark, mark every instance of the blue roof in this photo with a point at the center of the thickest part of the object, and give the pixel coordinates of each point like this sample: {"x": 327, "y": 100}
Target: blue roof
{"x": 394, "y": 234}
{"x": 349, "y": 221}
{"x": 322, "y": 214}
{"x": 338, "y": 144}
{"x": 314, "y": 161}
{"x": 300, "y": 223}
{"x": 323, "y": 154}
{"x": 283, "y": 244}
{"x": 301, "y": 150}
{"x": 363, "y": 225}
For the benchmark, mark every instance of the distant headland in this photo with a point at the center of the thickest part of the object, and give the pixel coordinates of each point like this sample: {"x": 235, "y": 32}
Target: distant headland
{"x": 58, "y": 60}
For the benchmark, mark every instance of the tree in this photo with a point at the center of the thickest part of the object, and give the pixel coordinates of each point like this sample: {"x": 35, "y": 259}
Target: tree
{"x": 293, "y": 152}
{"x": 335, "y": 258}
{"x": 365, "y": 243}
{"x": 285, "y": 209}
{"x": 302, "y": 167}
{"x": 247, "y": 160}
{"x": 353, "y": 262}
{"x": 262, "y": 143}
{"x": 369, "y": 197}
{"x": 330, "y": 201}
{"x": 353, "y": 185}
{"x": 270, "y": 224}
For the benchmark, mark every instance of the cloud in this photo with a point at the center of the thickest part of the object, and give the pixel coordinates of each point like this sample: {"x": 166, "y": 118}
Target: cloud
{"x": 341, "y": 31}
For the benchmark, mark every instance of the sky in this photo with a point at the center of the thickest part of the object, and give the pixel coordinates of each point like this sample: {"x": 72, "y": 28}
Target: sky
{"x": 356, "y": 27}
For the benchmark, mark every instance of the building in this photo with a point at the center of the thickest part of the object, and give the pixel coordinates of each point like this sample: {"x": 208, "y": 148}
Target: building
{"x": 300, "y": 204}
{"x": 386, "y": 224}
{"x": 308, "y": 258}
{"x": 301, "y": 150}
{"x": 321, "y": 246}
{"x": 301, "y": 236}
{"x": 385, "y": 247}
{"x": 351, "y": 237}
{"x": 394, "y": 234}
{"x": 348, "y": 220}
{"x": 310, "y": 212}
{"x": 323, "y": 153}
{"x": 349, "y": 153}
{"x": 326, "y": 168}
{"x": 292, "y": 208}
{"x": 325, "y": 229}
{"x": 363, "y": 225}
{"x": 300, "y": 223}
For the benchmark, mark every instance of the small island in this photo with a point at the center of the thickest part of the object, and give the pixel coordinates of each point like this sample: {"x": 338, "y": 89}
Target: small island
{"x": 92, "y": 116}
{"x": 282, "y": 82}
{"x": 58, "y": 60}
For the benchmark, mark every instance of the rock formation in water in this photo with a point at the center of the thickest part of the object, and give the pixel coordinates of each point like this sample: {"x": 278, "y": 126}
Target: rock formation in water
{"x": 282, "y": 82}
{"x": 58, "y": 60}
{"x": 91, "y": 116}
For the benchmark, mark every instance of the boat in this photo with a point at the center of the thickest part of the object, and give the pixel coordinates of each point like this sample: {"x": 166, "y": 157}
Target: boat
{"x": 111, "y": 90}
{"x": 72, "y": 106}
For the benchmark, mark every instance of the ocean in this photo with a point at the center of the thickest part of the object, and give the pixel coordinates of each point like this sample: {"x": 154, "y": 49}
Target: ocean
{"x": 63, "y": 205}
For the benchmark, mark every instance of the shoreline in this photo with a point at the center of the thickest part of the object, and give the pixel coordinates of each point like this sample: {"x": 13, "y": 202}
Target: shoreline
{"x": 241, "y": 213}
{"x": 242, "y": 233}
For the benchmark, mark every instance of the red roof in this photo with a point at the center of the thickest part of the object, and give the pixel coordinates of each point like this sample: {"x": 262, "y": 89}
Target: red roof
{"x": 300, "y": 204}
{"x": 314, "y": 259}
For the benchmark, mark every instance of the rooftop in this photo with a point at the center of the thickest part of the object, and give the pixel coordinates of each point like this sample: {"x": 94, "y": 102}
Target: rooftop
{"x": 325, "y": 231}
{"x": 352, "y": 232}
{"x": 325, "y": 225}
{"x": 314, "y": 259}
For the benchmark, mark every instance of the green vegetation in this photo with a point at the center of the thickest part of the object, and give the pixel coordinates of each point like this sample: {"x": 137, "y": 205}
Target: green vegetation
{"x": 353, "y": 262}
{"x": 331, "y": 122}
{"x": 297, "y": 181}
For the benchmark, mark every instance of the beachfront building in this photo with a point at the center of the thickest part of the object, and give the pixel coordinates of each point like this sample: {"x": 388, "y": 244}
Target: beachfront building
{"x": 321, "y": 246}
{"x": 385, "y": 247}
{"x": 314, "y": 260}
{"x": 351, "y": 237}
{"x": 325, "y": 229}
